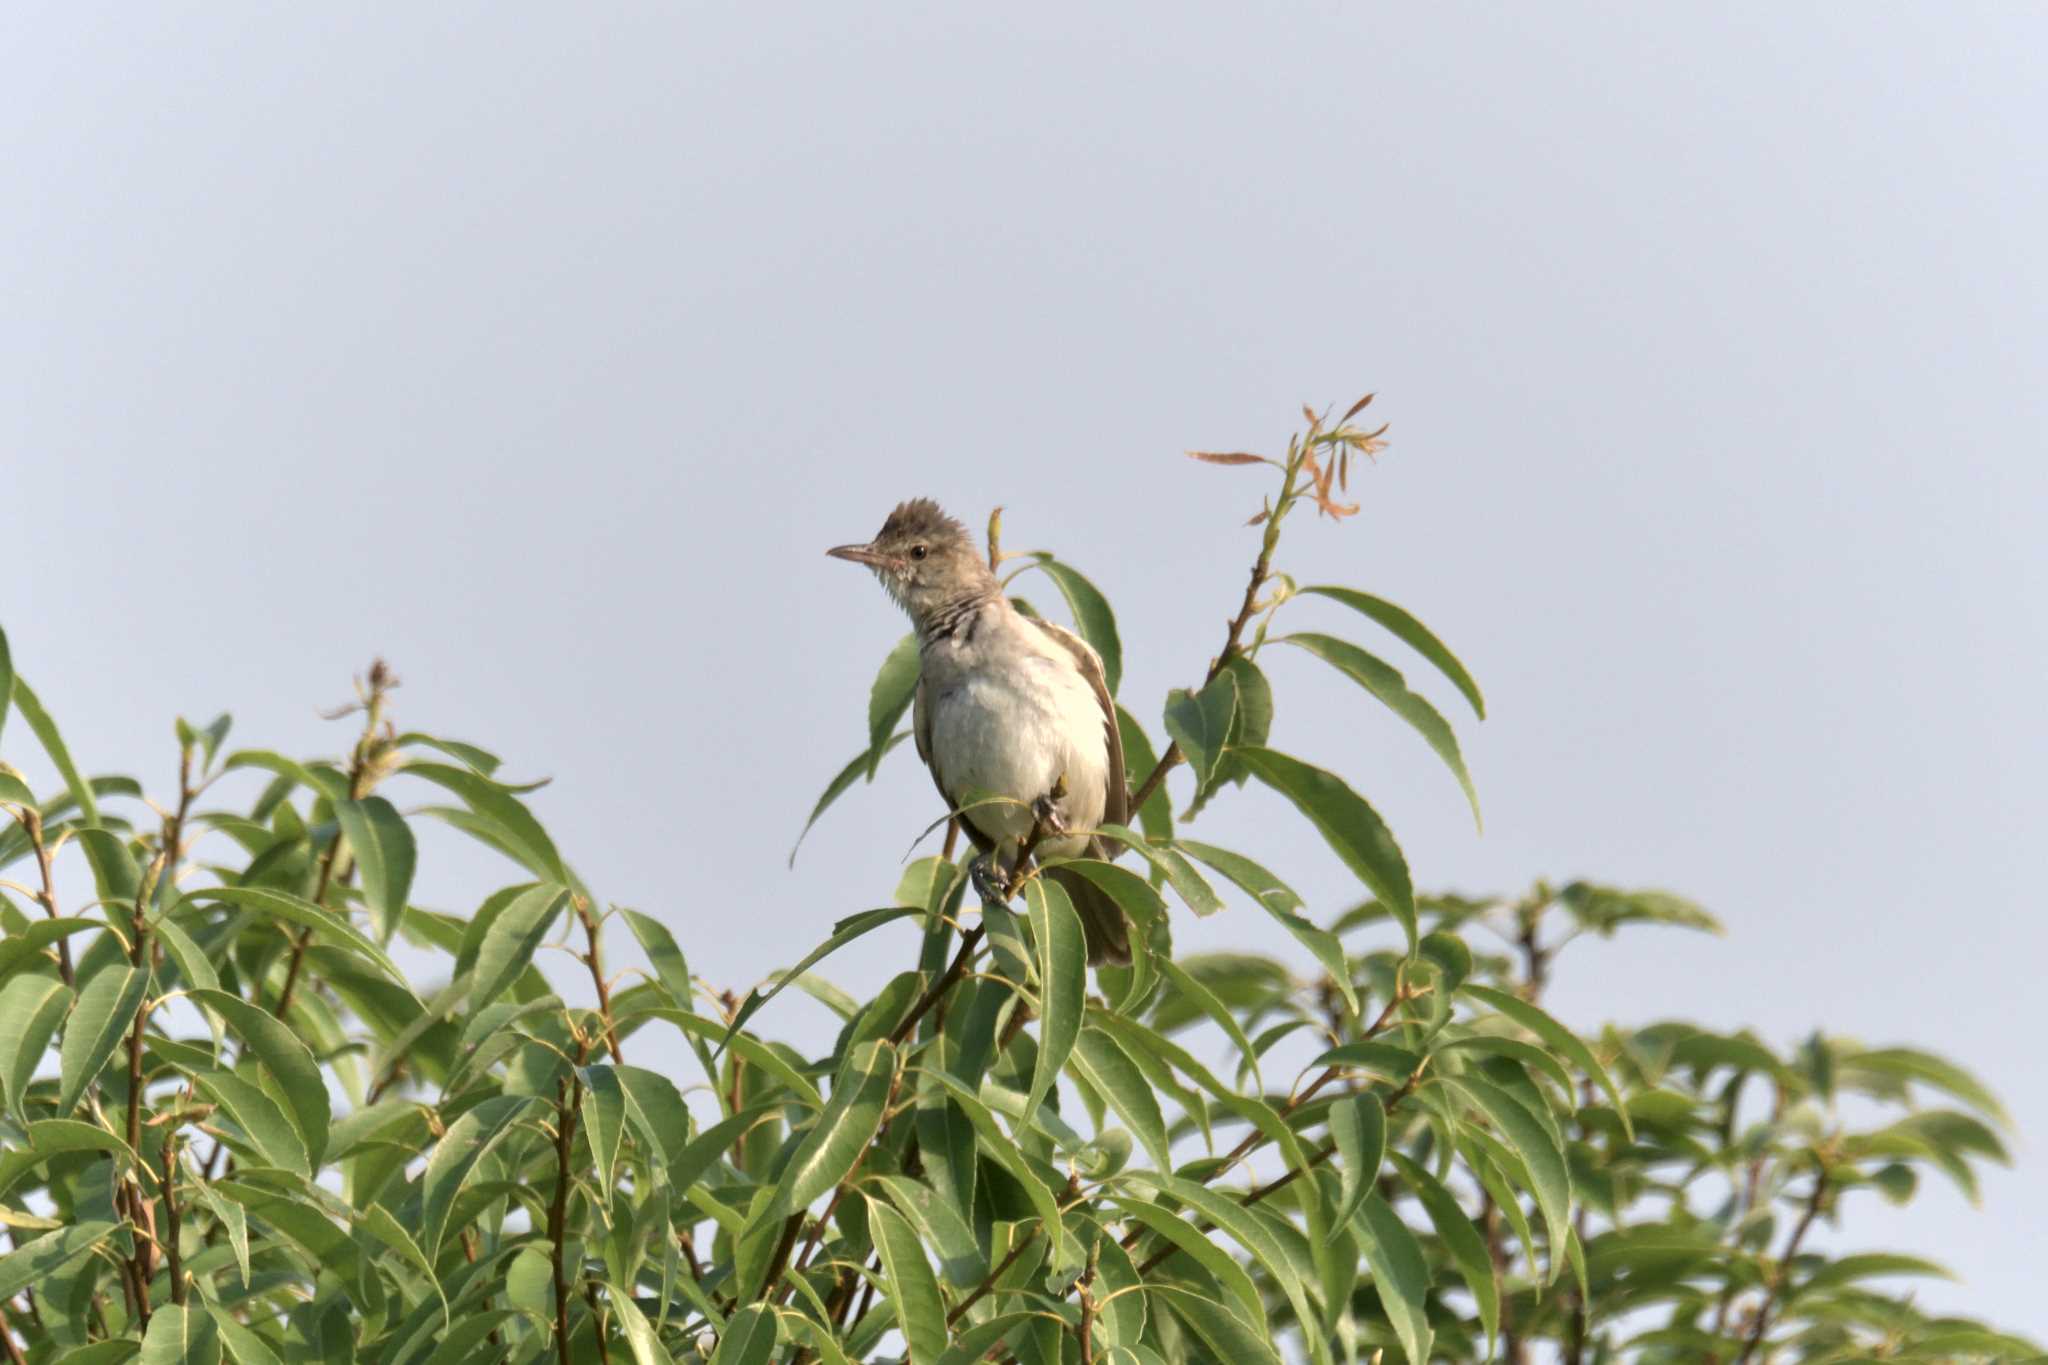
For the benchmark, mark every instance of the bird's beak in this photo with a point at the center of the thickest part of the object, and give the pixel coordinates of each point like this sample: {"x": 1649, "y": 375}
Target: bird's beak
{"x": 860, "y": 554}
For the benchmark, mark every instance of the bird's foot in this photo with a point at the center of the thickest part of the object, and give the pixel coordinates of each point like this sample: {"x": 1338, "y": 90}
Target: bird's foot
{"x": 991, "y": 883}
{"x": 1047, "y": 813}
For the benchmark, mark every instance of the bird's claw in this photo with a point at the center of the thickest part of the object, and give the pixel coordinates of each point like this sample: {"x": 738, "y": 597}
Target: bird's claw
{"x": 1047, "y": 814}
{"x": 990, "y": 882}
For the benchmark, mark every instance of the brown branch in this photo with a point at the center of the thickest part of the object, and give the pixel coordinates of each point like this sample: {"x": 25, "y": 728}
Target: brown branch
{"x": 173, "y": 1261}
{"x": 593, "y": 958}
{"x": 1784, "y": 1267}
{"x": 989, "y": 1281}
{"x": 969, "y": 941}
{"x": 568, "y": 1097}
{"x": 1085, "y": 1329}
{"x": 604, "y": 1350}
{"x": 14, "y": 1355}
{"x": 1262, "y": 569}
{"x": 31, "y": 821}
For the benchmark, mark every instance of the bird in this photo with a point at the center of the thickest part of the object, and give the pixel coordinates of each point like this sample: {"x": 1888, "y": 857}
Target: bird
{"x": 1007, "y": 706}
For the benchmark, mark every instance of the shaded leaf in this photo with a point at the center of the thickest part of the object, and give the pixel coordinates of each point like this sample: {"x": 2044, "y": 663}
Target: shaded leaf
{"x": 1350, "y": 826}
{"x": 913, "y": 1288}
{"x": 1062, "y": 979}
{"x": 1201, "y": 721}
{"x": 104, "y": 1013}
{"x": 385, "y": 857}
{"x": 1358, "y": 1123}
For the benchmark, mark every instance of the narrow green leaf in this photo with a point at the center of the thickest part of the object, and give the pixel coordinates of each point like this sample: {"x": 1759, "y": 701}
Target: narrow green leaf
{"x": 273, "y": 1136}
{"x": 1226, "y": 1335}
{"x": 31, "y": 1007}
{"x": 1412, "y": 633}
{"x": 180, "y": 1336}
{"x": 748, "y": 1338}
{"x": 1105, "y": 1065}
{"x": 35, "y": 1261}
{"x": 862, "y": 763}
{"x": 670, "y": 967}
{"x": 6, "y": 694}
{"x": 604, "y": 1119}
{"x": 523, "y": 836}
{"x": 1385, "y": 683}
{"x": 1156, "y": 816}
{"x": 1180, "y": 874}
{"x": 1399, "y": 1273}
{"x": 1092, "y": 616}
{"x": 305, "y": 914}
{"x": 1062, "y": 978}
{"x": 1358, "y": 1123}
{"x": 1200, "y": 721}
{"x": 890, "y": 696}
{"x": 843, "y": 933}
{"x": 243, "y": 1345}
{"x": 1911, "y": 1064}
{"x": 1557, "y": 1036}
{"x": 102, "y": 1017}
{"x": 1550, "y": 1179}
{"x": 483, "y": 760}
{"x": 288, "y": 1060}
{"x": 655, "y": 1109}
{"x": 1278, "y": 899}
{"x": 31, "y": 708}
{"x": 913, "y": 1288}
{"x": 12, "y": 789}
{"x": 235, "y": 1219}
{"x": 510, "y": 942}
{"x": 1462, "y": 1238}
{"x": 385, "y": 857}
{"x": 1176, "y": 1228}
{"x": 640, "y": 1338}
{"x": 1242, "y": 1226}
{"x": 318, "y": 778}
{"x": 468, "y": 1140}
{"x": 941, "y": 1225}
{"x": 841, "y": 1133}
{"x": 1350, "y": 826}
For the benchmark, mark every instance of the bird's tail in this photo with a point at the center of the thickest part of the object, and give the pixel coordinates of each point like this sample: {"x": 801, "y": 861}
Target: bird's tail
{"x": 1102, "y": 919}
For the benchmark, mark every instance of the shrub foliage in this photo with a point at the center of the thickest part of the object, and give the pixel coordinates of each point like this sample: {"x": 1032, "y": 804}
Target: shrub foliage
{"x": 261, "y": 1106}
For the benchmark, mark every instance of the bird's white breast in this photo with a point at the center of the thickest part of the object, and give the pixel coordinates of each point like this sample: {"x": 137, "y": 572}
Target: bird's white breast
{"x": 1010, "y": 716}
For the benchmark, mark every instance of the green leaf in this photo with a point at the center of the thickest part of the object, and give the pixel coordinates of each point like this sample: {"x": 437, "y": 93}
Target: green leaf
{"x": 306, "y": 914}
{"x": 1277, "y": 899}
{"x": 31, "y": 1007}
{"x": 639, "y": 1332}
{"x": 1901, "y": 1064}
{"x": 670, "y": 967}
{"x": 180, "y": 1336}
{"x": 1092, "y": 616}
{"x": 894, "y": 686}
{"x": 99, "y": 1021}
{"x": 1462, "y": 1238}
{"x": 35, "y": 1261}
{"x": 511, "y": 939}
{"x": 913, "y": 1288}
{"x": 1200, "y": 721}
{"x": 862, "y": 764}
{"x": 714, "y": 1142}
{"x": 1869, "y": 1265}
{"x": 244, "y": 1345}
{"x": 385, "y": 857}
{"x": 1174, "y": 1227}
{"x": 748, "y": 1338}
{"x": 843, "y": 933}
{"x": 1226, "y": 1335}
{"x": 521, "y": 834}
{"x": 1549, "y": 1178}
{"x": 1180, "y": 874}
{"x": 1412, "y": 633}
{"x": 1557, "y": 1036}
{"x": 455, "y": 1157}
{"x": 235, "y": 1220}
{"x": 655, "y": 1108}
{"x": 1062, "y": 980}
{"x": 835, "y": 1142}
{"x": 1242, "y": 1226}
{"x": 483, "y": 760}
{"x": 941, "y": 1224}
{"x": 1358, "y": 1123}
{"x": 258, "y": 1116}
{"x": 26, "y": 702}
{"x": 7, "y": 692}
{"x": 1104, "y": 1064}
{"x": 317, "y": 778}
{"x": 604, "y": 1119}
{"x": 1350, "y": 826}
{"x": 1384, "y": 682}
{"x": 12, "y": 788}
{"x": 1399, "y": 1273}
{"x": 288, "y": 1060}
{"x": 1156, "y": 816}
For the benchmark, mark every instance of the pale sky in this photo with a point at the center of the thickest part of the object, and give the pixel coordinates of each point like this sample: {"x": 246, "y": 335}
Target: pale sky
{"x": 544, "y": 350}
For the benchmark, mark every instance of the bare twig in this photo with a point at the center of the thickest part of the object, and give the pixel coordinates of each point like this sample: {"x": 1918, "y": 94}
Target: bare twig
{"x": 31, "y": 821}
{"x": 1783, "y": 1271}
{"x": 593, "y": 958}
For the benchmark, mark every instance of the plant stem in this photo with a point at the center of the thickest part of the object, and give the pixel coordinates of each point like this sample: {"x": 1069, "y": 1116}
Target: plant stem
{"x": 568, "y": 1098}
{"x": 593, "y": 958}
{"x": 1784, "y": 1269}
{"x": 31, "y": 821}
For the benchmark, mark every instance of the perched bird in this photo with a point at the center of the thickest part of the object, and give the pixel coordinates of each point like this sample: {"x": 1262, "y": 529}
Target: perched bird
{"x": 1007, "y": 706}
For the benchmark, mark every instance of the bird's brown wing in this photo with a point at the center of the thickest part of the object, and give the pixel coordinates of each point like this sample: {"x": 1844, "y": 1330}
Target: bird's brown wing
{"x": 921, "y": 735}
{"x": 1116, "y": 805}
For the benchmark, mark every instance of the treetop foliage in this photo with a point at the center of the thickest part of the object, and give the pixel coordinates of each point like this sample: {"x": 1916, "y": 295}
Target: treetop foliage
{"x": 257, "y": 1104}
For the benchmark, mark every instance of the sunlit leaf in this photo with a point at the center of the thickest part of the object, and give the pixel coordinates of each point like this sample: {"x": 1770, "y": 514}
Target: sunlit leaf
{"x": 1350, "y": 826}
{"x": 1410, "y": 632}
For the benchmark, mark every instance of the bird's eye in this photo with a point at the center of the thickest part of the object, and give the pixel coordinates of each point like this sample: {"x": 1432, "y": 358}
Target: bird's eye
{"x": 918, "y": 551}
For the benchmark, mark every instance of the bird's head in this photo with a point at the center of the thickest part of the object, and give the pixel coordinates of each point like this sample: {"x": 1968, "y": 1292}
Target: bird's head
{"x": 924, "y": 558}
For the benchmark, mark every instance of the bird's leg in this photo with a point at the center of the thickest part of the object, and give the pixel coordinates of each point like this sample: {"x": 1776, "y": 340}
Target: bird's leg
{"x": 1046, "y": 812}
